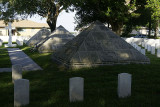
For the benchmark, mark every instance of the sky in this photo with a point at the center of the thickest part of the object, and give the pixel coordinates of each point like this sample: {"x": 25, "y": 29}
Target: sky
{"x": 64, "y": 19}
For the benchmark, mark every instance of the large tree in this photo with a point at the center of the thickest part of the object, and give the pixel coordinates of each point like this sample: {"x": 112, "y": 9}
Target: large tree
{"x": 50, "y": 9}
{"x": 140, "y": 17}
{"x": 154, "y": 6}
{"x": 113, "y": 12}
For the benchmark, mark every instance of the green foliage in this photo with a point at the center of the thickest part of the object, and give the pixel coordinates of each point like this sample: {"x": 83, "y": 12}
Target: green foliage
{"x": 4, "y": 59}
{"x": 14, "y": 9}
{"x": 154, "y": 6}
{"x": 103, "y": 10}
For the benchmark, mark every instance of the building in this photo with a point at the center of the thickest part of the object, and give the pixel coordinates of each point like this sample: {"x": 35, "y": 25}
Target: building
{"x": 22, "y": 28}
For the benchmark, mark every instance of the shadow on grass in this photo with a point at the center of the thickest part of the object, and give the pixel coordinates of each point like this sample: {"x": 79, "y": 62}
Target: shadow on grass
{"x": 50, "y": 87}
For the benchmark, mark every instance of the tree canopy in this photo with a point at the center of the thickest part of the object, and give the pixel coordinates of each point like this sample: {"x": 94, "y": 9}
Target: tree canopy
{"x": 154, "y": 6}
{"x": 121, "y": 14}
{"x": 50, "y": 9}
{"x": 113, "y": 12}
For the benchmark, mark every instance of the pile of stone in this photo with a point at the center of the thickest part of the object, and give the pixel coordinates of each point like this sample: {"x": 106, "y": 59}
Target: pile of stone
{"x": 96, "y": 46}
{"x": 38, "y": 37}
{"x": 55, "y": 40}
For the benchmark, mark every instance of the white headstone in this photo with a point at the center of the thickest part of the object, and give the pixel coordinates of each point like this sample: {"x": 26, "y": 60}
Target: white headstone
{"x": 19, "y": 42}
{"x": 21, "y": 92}
{"x": 143, "y": 44}
{"x": 76, "y": 87}
{"x": 153, "y": 50}
{"x": 149, "y": 48}
{"x": 139, "y": 48}
{"x": 124, "y": 85}
{"x": 143, "y": 51}
{"x": 158, "y": 46}
{"x": 135, "y": 46}
{"x": 16, "y": 72}
{"x": 158, "y": 53}
{"x": 146, "y": 46}
{"x": 0, "y": 43}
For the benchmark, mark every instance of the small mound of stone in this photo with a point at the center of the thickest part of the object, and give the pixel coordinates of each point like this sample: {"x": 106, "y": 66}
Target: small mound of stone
{"x": 38, "y": 37}
{"x": 55, "y": 40}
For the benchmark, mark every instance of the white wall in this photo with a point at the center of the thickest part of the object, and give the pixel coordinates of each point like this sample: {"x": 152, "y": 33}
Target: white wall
{"x": 5, "y": 38}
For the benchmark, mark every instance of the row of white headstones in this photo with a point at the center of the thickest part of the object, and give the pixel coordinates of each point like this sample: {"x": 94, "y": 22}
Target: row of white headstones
{"x": 76, "y": 87}
{"x": 150, "y": 48}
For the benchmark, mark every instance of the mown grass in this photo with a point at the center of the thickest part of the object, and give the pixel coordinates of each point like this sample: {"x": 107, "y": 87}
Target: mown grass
{"x": 50, "y": 87}
{"x": 4, "y": 58}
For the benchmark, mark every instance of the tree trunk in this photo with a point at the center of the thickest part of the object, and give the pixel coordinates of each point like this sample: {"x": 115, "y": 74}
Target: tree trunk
{"x": 53, "y": 15}
{"x": 156, "y": 29}
{"x": 149, "y": 32}
{"x": 52, "y": 23}
{"x": 117, "y": 28}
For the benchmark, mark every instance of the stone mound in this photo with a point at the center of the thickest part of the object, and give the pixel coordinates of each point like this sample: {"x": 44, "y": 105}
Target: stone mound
{"x": 38, "y": 37}
{"x": 96, "y": 46}
{"x": 56, "y": 39}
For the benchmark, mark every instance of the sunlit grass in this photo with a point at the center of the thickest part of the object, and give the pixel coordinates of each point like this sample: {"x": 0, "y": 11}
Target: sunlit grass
{"x": 4, "y": 58}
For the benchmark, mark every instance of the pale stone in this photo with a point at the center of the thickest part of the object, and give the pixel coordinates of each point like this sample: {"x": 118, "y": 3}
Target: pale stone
{"x": 13, "y": 45}
{"x": 56, "y": 40}
{"x": 139, "y": 48}
{"x": 20, "y": 43}
{"x": 21, "y": 92}
{"x": 143, "y": 44}
{"x": 158, "y": 46}
{"x": 143, "y": 51}
{"x": 0, "y": 43}
{"x": 146, "y": 46}
{"x": 158, "y": 53}
{"x": 88, "y": 49}
{"x": 76, "y": 87}
{"x": 124, "y": 85}
{"x": 153, "y": 50}
{"x": 149, "y": 48}
{"x": 10, "y": 34}
{"x": 16, "y": 72}
{"x": 135, "y": 46}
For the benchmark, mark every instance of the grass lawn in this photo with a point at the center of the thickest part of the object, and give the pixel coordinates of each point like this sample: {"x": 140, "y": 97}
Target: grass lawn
{"x": 49, "y": 88}
{"x": 4, "y": 58}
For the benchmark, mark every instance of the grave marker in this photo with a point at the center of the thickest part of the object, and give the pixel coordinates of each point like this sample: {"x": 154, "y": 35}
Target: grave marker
{"x": 153, "y": 50}
{"x": 146, "y": 46}
{"x": 16, "y": 72}
{"x": 21, "y": 92}
{"x": 158, "y": 53}
{"x": 76, "y": 87}
{"x": 143, "y": 44}
{"x": 149, "y": 48}
{"x": 124, "y": 85}
{"x": 138, "y": 48}
{"x": 143, "y": 51}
